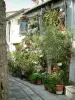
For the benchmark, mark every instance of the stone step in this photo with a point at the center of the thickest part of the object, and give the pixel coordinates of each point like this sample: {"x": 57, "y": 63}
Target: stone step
{"x": 70, "y": 92}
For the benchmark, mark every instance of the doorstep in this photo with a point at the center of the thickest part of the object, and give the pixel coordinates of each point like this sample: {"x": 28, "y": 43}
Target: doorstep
{"x": 70, "y": 92}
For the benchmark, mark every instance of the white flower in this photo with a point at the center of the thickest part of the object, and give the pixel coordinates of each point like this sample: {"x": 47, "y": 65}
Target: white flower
{"x": 59, "y": 64}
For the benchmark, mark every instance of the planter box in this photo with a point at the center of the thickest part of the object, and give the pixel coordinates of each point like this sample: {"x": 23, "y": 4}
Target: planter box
{"x": 70, "y": 92}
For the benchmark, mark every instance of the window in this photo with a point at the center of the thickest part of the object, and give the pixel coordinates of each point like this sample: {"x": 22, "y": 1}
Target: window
{"x": 23, "y": 26}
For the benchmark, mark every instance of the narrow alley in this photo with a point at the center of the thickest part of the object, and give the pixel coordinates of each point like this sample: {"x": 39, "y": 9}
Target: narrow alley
{"x": 23, "y": 90}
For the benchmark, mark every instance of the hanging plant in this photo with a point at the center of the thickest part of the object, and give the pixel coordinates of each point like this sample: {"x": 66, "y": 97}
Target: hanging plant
{"x": 24, "y": 17}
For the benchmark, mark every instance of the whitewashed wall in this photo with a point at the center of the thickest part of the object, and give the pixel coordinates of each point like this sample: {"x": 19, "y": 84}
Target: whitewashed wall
{"x": 71, "y": 25}
{"x": 14, "y": 32}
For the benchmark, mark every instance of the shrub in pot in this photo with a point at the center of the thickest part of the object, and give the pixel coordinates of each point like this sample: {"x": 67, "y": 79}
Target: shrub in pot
{"x": 60, "y": 84}
{"x": 39, "y": 78}
{"x": 44, "y": 80}
{"x": 33, "y": 78}
{"x": 53, "y": 80}
{"x": 45, "y": 84}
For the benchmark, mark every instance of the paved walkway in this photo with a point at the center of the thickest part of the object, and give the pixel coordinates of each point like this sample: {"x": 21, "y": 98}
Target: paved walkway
{"x": 23, "y": 90}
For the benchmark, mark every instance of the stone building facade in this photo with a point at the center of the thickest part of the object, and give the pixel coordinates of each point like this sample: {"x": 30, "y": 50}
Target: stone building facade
{"x": 3, "y": 54}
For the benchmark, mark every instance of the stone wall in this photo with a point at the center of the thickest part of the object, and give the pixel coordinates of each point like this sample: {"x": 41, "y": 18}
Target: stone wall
{"x": 3, "y": 54}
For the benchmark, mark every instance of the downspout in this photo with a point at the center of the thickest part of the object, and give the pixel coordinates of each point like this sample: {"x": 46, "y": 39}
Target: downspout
{"x": 9, "y": 29}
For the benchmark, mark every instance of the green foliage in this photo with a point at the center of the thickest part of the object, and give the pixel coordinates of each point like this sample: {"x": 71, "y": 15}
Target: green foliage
{"x": 28, "y": 57}
{"x": 26, "y": 62}
{"x": 33, "y": 77}
{"x": 35, "y": 41}
{"x": 13, "y": 69}
{"x": 57, "y": 44}
{"x": 36, "y": 77}
{"x": 34, "y": 49}
{"x": 10, "y": 64}
{"x": 51, "y": 17}
{"x": 53, "y": 79}
{"x": 39, "y": 76}
{"x": 33, "y": 23}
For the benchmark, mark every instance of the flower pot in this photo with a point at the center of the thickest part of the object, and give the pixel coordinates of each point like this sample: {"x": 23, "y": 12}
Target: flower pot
{"x": 59, "y": 89}
{"x": 24, "y": 17}
{"x": 39, "y": 82}
{"x": 54, "y": 69}
{"x": 28, "y": 43}
{"x": 45, "y": 87}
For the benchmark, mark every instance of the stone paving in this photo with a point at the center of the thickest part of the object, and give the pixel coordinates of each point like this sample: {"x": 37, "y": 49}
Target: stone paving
{"x": 23, "y": 90}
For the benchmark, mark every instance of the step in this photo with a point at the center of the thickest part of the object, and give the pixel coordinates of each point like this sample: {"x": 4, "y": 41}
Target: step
{"x": 70, "y": 92}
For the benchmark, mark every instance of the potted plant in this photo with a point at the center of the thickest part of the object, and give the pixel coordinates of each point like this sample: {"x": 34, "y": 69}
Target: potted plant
{"x": 51, "y": 82}
{"x": 44, "y": 80}
{"x": 60, "y": 84}
{"x": 54, "y": 69}
{"x": 33, "y": 78}
{"x": 45, "y": 84}
{"x": 24, "y": 17}
{"x": 59, "y": 88}
{"x": 39, "y": 78}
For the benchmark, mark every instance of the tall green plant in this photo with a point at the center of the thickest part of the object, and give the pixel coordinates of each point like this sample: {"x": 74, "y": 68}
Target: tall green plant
{"x": 57, "y": 44}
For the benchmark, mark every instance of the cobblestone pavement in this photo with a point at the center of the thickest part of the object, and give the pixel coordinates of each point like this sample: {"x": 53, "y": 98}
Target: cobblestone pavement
{"x": 23, "y": 90}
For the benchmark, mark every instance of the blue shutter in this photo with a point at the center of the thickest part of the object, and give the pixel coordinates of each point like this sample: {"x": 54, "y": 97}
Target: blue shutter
{"x": 23, "y": 27}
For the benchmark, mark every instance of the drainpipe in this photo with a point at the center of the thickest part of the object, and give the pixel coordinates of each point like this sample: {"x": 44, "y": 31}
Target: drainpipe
{"x": 9, "y": 23}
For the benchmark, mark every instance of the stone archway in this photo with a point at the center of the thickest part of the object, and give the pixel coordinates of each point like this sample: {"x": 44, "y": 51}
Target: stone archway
{"x": 3, "y": 54}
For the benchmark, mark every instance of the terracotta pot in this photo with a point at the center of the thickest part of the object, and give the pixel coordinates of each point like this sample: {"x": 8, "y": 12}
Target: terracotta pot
{"x": 59, "y": 89}
{"x": 67, "y": 67}
{"x": 61, "y": 27}
{"x": 28, "y": 43}
{"x": 54, "y": 69}
{"x": 45, "y": 87}
{"x": 39, "y": 82}
{"x": 24, "y": 17}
